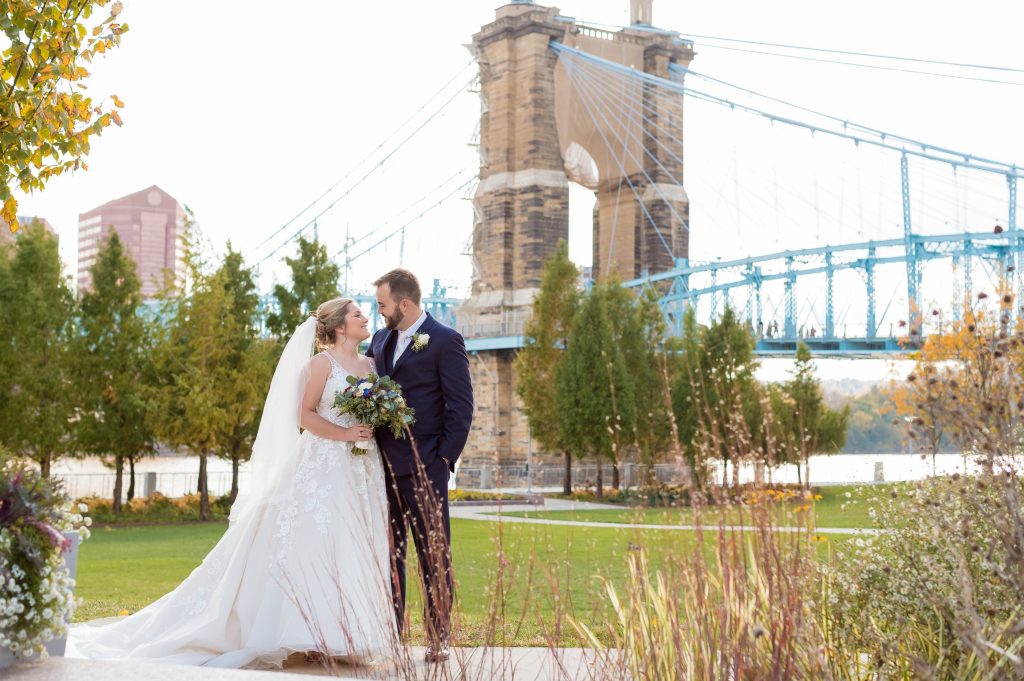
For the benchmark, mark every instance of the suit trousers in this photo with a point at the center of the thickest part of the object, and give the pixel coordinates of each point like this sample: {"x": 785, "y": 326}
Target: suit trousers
{"x": 420, "y": 502}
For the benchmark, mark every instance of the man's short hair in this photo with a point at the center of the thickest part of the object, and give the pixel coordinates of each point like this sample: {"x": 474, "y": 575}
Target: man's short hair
{"x": 402, "y": 283}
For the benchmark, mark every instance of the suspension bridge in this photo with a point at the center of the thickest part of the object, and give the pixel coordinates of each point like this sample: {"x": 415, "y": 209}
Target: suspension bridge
{"x": 629, "y": 111}
{"x": 566, "y": 101}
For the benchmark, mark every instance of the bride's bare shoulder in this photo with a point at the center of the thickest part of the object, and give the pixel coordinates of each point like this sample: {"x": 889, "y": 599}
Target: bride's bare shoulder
{"x": 319, "y": 364}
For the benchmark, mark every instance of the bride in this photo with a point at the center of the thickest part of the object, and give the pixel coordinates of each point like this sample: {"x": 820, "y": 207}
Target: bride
{"x": 305, "y": 563}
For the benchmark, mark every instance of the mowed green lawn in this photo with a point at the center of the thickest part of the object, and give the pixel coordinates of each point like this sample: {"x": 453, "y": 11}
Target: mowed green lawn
{"x": 128, "y": 567}
{"x": 834, "y": 510}
{"x": 542, "y": 570}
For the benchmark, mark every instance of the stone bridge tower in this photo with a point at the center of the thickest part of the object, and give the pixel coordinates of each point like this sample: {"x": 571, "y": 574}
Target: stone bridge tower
{"x": 536, "y": 137}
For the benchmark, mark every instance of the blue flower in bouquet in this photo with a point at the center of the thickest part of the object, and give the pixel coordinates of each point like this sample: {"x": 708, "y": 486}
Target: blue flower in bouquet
{"x": 375, "y": 401}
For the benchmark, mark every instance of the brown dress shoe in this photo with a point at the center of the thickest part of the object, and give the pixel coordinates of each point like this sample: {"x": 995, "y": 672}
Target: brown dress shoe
{"x": 438, "y": 652}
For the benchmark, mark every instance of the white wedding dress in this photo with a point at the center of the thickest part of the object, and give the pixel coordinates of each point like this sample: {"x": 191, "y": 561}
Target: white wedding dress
{"x": 304, "y": 567}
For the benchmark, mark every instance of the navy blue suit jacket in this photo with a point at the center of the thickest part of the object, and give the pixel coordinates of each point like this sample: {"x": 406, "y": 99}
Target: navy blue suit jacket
{"x": 436, "y": 383}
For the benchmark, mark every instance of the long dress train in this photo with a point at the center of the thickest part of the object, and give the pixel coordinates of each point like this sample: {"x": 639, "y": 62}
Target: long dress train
{"x": 308, "y": 571}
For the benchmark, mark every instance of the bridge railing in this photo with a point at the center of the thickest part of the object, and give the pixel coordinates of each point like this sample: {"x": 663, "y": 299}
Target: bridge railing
{"x": 512, "y": 327}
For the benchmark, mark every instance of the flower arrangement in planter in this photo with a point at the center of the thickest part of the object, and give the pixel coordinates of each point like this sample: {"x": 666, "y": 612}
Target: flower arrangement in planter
{"x": 38, "y": 525}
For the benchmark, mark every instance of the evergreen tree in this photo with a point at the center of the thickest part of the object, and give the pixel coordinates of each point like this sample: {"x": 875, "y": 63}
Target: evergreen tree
{"x": 36, "y": 327}
{"x": 686, "y": 362}
{"x": 595, "y": 399}
{"x": 717, "y": 397}
{"x": 113, "y": 366}
{"x": 643, "y": 347}
{"x": 634, "y": 351}
{"x": 194, "y": 388}
{"x": 250, "y": 364}
{"x": 314, "y": 280}
{"x": 536, "y": 365}
{"x": 816, "y": 428}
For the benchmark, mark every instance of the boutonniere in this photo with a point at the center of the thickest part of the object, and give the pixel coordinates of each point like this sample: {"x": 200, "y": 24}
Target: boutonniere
{"x": 420, "y": 341}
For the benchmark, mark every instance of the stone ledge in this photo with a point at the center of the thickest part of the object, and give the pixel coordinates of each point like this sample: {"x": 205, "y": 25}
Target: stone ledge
{"x": 466, "y": 663}
{"x": 69, "y": 669}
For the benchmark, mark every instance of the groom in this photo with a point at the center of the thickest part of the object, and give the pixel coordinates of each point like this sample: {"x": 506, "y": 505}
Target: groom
{"x": 429, "y": 360}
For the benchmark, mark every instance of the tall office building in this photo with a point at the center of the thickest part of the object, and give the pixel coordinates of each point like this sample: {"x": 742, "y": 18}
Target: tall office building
{"x": 7, "y": 236}
{"x": 150, "y": 224}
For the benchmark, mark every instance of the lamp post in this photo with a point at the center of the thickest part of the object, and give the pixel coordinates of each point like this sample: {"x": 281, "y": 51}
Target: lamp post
{"x": 529, "y": 458}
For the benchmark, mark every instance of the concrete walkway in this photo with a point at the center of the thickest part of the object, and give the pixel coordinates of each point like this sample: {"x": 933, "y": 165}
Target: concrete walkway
{"x": 498, "y": 513}
{"x": 484, "y": 664}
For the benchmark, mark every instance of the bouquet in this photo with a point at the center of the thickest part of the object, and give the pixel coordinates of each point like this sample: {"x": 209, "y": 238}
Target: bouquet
{"x": 375, "y": 401}
{"x": 36, "y": 592}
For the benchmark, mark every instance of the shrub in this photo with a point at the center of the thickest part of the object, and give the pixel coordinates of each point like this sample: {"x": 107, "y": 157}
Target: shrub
{"x": 155, "y": 508}
{"x": 940, "y": 590}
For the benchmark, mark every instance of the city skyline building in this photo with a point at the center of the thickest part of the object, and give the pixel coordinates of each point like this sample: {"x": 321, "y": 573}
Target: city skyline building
{"x": 8, "y": 237}
{"x": 150, "y": 223}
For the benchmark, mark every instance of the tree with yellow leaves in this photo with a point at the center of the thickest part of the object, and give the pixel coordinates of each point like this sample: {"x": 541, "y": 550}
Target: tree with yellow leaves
{"x": 968, "y": 385}
{"x": 46, "y": 119}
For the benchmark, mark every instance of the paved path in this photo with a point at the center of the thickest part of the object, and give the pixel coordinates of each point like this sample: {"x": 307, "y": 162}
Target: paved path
{"x": 500, "y": 664}
{"x": 497, "y": 514}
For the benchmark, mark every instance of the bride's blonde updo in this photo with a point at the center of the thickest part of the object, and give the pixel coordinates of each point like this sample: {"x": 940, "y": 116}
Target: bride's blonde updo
{"x": 329, "y": 316}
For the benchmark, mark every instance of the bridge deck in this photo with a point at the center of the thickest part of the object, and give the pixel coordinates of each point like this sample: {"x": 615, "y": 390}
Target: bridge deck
{"x": 765, "y": 347}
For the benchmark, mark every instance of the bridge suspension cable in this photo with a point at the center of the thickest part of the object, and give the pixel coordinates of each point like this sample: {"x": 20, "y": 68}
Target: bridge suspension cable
{"x": 845, "y": 123}
{"x": 928, "y": 151}
{"x": 878, "y": 67}
{"x": 412, "y": 221}
{"x": 617, "y": 99}
{"x": 694, "y": 36}
{"x": 376, "y": 166}
{"x": 461, "y": 174}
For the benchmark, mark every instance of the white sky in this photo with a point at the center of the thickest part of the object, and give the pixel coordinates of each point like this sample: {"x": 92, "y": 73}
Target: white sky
{"x": 246, "y": 111}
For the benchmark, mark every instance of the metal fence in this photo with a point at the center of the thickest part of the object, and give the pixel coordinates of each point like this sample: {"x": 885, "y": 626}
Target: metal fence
{"x": 516, "y": 476}
{"x": 844, "y": 468}
{"x": 175, "y": 484}
{"x": 475, "y": 477}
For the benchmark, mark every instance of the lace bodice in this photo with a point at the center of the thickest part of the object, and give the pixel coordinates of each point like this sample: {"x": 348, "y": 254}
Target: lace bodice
{"x": 337, "y": 381}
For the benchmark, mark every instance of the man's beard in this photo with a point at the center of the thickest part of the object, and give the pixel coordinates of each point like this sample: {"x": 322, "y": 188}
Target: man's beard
{"x": 392, "y": 322}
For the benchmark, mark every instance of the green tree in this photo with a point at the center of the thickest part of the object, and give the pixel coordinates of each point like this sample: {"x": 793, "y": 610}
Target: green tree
{"x": 816, "y": 429}
{"x": 113, "y": 366}
{"x": 686, "y": 367}
{"x": 536, "y": 365}
{"x": 595, "y": 401}
{"x": 630, "y": 339}
{"x": 716, "y": 396}
{"x": 871, "y": 428}
{"x": 314, "y": 280}
{"x": 193, "y": 393}
{"x": 643, "y": 345}
{"x": 36, "y": 327}
{"x": 46, "y": 119}
{"x": 250, "y": 365}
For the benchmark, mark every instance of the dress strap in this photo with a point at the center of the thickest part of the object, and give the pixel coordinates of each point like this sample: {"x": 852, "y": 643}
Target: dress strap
{"x": 334, "y": 362}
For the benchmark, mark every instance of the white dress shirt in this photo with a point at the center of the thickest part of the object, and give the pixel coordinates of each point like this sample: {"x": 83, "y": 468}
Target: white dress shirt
{"x": 405, "y": 338}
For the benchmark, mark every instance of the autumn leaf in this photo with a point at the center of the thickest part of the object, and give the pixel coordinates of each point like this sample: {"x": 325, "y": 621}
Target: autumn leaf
{"x": 9, "y": 213}
{"x": 47, "y": 129}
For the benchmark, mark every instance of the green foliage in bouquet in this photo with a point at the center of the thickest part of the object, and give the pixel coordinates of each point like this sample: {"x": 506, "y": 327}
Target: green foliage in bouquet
{"x": 376, "y": 401}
